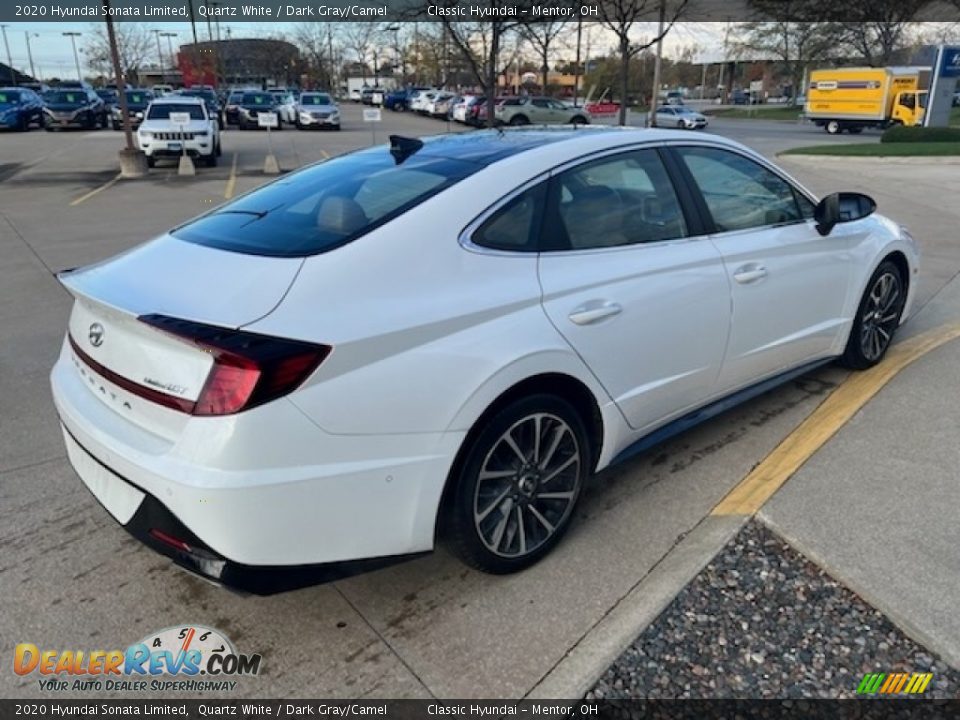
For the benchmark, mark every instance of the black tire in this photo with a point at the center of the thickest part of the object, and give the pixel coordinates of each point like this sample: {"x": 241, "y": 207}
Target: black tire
{"x": 579, "y": 120}
{"x": 151, "y": 161}
{"x": 513, "y": 513}
{"x": 870, "y": 336}
{"x": 519, "y": 120}
{"x": 833, "y": 127}
{"x": 336, "y": 128}
{"x": 211, "y": 159}
{"x": 23, "y": 124}
{"x": 681, "y": 124}
{"x": 219, "y": 149}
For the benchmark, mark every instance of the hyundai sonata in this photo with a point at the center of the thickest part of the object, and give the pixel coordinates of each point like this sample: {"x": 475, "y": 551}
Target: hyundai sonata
{"x": 446, "y": 337}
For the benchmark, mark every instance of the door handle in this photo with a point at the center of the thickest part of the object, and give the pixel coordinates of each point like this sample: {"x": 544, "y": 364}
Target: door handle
{"x": 594, "y": 311}
{"x": 750, "y": 273}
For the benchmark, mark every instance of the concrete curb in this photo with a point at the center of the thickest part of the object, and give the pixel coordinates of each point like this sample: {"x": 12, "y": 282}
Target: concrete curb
{"x": 586, "y": 661}
{"x": 949, "y": 655}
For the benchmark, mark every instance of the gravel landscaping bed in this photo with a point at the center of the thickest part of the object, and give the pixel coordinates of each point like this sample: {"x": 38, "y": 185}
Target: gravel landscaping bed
{"x": 762, "y": 621}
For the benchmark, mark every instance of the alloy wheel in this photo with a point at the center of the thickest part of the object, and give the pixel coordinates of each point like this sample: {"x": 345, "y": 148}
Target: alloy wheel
{"x": 880, "y": 315}
{"x": 527, "y": 486}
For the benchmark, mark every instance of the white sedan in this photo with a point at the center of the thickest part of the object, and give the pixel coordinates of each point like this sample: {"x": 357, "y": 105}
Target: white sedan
{"x": 447, "y": 337}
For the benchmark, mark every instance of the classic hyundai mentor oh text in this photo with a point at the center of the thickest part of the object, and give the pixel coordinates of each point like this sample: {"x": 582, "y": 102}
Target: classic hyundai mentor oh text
{"x": 445, "y": 337}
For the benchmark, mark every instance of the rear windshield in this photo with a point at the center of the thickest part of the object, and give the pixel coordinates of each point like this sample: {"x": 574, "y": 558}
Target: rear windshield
{"x": 161, "y": 111}
{"x": 325, "y": 206}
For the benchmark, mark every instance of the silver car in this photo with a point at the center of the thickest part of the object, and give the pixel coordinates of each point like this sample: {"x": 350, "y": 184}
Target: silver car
{"x": 317, "y": 109}
{"x": 678, "y": 116}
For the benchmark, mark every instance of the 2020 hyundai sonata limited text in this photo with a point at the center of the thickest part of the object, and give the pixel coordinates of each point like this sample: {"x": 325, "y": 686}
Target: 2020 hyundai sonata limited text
{"x": 445, "y": 337}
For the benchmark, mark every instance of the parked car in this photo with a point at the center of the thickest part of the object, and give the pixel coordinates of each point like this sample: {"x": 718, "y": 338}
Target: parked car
{"x": 20, "y": 108}
{"x": 679, "y": 116}
{"x": 421, "y": 100}
{"x": 539, "y": 110}
{"x": 159, "y": 137}
{"x": 161, "y": 89}
{"x": 318, "y": 110}
{"x": 231, "y": 107}
{"x": 356, "y": 94}
{"x": 74, "y": 107}
{"x": 137, "y": 102}
{"x": 461, "y": 109}
{"x": 366, "y": 95}
{"x": 396, "y": 99}
{"x": 437, "y": 105}
{"x": 254, "y": 103}
{"x": 209, "y": 96}
{"x": 298, "y": 413}
{"x": 109, "y": 97}
{"x": 286, "y": 105}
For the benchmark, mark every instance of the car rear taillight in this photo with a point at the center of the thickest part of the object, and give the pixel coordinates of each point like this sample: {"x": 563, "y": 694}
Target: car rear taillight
{"x": 248, "y": 369}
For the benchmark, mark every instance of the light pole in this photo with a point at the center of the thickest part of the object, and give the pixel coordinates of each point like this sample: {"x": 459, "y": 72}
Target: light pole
{"x": 33, "y": 73}
{"x": 76, "y": 58}
{"x": 395, "y": 29}
{"x": 13, "y": 76}
{"x": 169, "y": 35}
{"x": 156, "y": 34}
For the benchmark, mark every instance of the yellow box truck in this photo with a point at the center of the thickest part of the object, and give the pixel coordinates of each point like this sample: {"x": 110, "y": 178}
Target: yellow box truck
{"x": 854, "y": 98}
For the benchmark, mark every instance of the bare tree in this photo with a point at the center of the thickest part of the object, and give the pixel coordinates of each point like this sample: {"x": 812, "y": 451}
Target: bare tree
{"x": 541, "y": 35}
{"x": 135, "y": 45}
{"x": 876, "y": 29}
{"x": 621, "y": 16}
{"x": 320, "y": 50}
{"x": 795, "y": 34}
{"x": 360, "y": 38}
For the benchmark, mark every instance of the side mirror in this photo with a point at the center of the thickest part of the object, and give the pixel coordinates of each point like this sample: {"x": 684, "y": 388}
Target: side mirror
{"x": 840, "y": 208}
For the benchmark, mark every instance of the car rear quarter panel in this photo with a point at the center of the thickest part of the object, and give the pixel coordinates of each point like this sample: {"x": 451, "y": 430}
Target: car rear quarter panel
{"x": 425, "y": 333}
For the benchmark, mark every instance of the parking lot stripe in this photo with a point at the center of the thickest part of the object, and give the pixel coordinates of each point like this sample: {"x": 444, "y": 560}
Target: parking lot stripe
{"x": 232, "y": 181}
{"x": 95, "y": 191}
{"x": 765, "y": 479}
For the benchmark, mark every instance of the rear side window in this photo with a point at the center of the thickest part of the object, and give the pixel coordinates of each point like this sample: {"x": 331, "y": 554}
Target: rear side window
{"x": 326, "y": 205}
{"x": 516, "y": 225}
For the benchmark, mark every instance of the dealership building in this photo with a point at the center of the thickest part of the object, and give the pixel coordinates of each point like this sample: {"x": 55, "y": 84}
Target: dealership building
{"x": 242, "y": 61}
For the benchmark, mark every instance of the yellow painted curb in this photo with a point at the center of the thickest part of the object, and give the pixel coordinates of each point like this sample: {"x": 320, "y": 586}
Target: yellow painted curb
{"x": 765, "y": 479}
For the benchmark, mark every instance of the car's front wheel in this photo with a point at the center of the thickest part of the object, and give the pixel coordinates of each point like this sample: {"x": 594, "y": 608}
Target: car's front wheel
{"x": 518, "y": 484}
{"x": 878, "y": 317}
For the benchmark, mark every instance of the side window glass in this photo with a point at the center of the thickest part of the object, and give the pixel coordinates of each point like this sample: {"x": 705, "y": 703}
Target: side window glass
{"x": 740, "y": 193}
{"x": 621, "y": 200}
{"x": 515, "y": 226}
{"x": 541, "y": 103}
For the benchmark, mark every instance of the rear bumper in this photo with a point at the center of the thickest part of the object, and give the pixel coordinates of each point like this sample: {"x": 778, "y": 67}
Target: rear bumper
{"x": 159, "y": 529}
{"x": 259, "y": 491}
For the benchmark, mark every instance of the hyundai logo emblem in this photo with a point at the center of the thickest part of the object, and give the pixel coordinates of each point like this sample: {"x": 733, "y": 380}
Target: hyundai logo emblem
{"x": 96, "y": 335}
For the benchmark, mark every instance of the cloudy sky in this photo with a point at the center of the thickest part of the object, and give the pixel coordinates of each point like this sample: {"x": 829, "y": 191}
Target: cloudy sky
{"x": 53, "y": 56}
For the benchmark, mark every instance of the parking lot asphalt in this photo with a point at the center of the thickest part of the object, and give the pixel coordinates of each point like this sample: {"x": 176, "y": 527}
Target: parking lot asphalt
{"x": 73, "y": 579}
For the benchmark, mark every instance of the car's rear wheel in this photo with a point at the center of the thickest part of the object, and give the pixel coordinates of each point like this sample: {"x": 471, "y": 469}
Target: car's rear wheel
{"x": 833, "y": 127}
{"x": 518, "y": 484}
{"x": 578, "y": 120}
{"x": 519, "y": 120}
{"x": 878, "y": 317}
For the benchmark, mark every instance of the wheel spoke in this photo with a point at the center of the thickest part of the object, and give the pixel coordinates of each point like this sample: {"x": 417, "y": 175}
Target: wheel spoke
{"x": 555, "y": 495}
{"x": 508, "y": 438}
{"x": 523, "y": 533}
{"x": 537, "y": 424}
{"x": 502, "y": 526}
{"x": 496, "y": 474}
{"x": 543, "y": 521}
{"x": 557, "y": 437}
{"x": 567, "y": 463}
{"x": 480, "y": 517}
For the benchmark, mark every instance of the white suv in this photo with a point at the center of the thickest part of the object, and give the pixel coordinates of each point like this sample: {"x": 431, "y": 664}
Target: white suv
{"x": 159, "y": 137}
